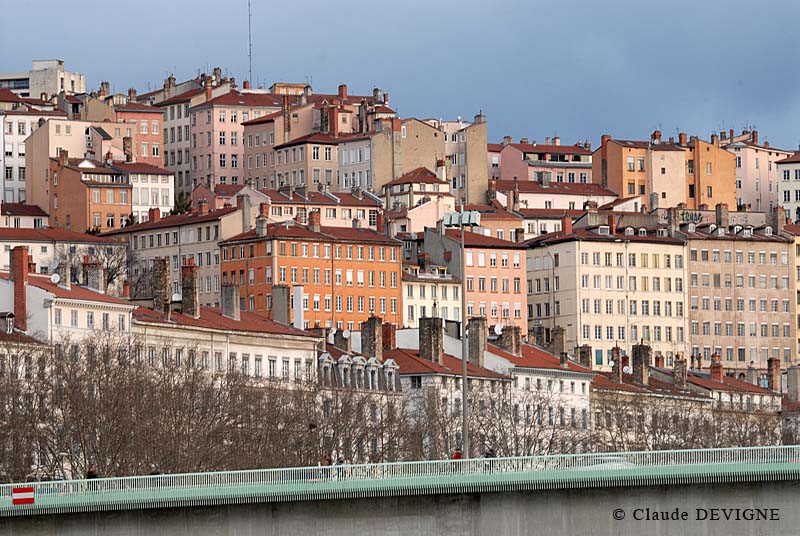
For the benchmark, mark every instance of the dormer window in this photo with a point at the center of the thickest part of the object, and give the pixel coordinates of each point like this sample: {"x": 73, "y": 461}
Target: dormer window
{"x": 642, "y": 232}
{"x": 628, "y": 231}
{"x": 9, "y": 325}
{"x": 603, "y": 230}
{"x": 748, "y": 232}
{"x": 692, "y": 228}
{"x": 662, "y": 232}
{"x": 721, "y": 231}
{"x": 768, "y": 231}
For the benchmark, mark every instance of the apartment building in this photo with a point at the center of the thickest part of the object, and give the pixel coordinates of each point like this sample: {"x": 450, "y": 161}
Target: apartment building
{"x": 217, "y": 142}
{"x": 152, "y": 187}
{"x": 609, "y": 287}
{"x": 465, "y": 156}
{"x": 652, "y": 170}
{"x": 516, "y": 195}
{"x": 45, "y": 76}
{"x": 548, "y": 162}
{"x": 498, "y": 222}
{"x": 87, "y": 195}
{"x": 177, "y": 130}
{"x": 147, "y": 121}
{"x": 429, "y": 291}
{"x": 17, "y": 125}
{"x": 193, "y": 235}
{"x": 740, "y": 281}
{"x": 758, "y": 177}
{"x": 335, "y": 210}
{"x": 98, "y": 141}
{"x": 788, "y": 170}
{"x": 417, "y": 200}
{"x": 495, "y": 273}
{"x": 22, "y": 216}
{"x": 342, "y": 274}
{"x": 793, "y": 231}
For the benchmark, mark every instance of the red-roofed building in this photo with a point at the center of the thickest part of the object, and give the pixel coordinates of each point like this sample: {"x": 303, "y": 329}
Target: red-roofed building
{"x": 22, "y": 216}
{"x": 495, "y": 273}
{"x": 545, "y": 163}
{"x": 152, "y": 187}
{"x": 416, "y": 200}
{"x": 147, "y": 121}
{"x": 342, "y": 274}
{"x": 517, "y": 195}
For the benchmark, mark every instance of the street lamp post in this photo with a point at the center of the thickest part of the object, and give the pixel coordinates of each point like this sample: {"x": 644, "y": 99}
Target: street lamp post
{"x": 463, "y": 219}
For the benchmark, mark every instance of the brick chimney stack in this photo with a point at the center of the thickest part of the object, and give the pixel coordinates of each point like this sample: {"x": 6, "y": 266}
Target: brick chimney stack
{"x": 162, "y": 283}
{"x": 190, "y": 302}
{"x": 372, "y": 338}
{"x": 19, "y": 275}
{"x": 679, "y": 372}
{"x": 389, "y": 336}
{"x": 431, "y": 339}
{"x": 715, "y": 369}
{"x": 774, "y": 374}
{"x": 478, "y": 339}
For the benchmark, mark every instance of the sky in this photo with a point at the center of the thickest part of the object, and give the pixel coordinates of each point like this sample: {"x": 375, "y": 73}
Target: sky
{"x": 536, "y": 68}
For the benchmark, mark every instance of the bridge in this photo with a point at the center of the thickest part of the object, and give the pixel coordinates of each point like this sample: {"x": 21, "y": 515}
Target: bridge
{"x": 712, "y": 491}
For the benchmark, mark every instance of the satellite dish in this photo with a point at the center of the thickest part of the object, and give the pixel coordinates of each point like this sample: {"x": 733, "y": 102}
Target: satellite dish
{"x": 55, "y": 278}
{"x": 330, "y": 338}
{"x": 333, "y": 330}
{"x": 611, "y": 363}
{"x": 346, "y": 334}
{"x": 176, "y": 297}
{"x": 627, "y": 370}
{"x": 498, "y": 329}
{"x": 53, "y": 264}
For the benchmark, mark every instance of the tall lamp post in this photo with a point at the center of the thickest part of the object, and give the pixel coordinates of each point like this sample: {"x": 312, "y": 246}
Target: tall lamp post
{"x": 462, "y": 219}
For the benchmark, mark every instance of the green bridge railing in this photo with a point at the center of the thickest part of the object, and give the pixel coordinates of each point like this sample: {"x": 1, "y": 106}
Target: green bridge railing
{"x": 409, "y": 478}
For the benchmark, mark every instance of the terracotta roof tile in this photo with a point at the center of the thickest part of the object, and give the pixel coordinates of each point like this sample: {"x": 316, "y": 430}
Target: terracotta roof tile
{"x": 212, "y": 318}
{"x": 533, "y": 357}
{"x": 550, "y": 149}
{"x": 477, "y": 240}
{"x": 6, "y": 95}
{"x": 410, "y": 362}
{"x": 795, "y": 158}
{"x": 417, "y": 176}
{"x": 50, "y": 234}
{"x": 22, "y": 209}
{"x": 189, "y": 218}
{"x": 555, "y": 188}
{"x": 186, "y": 96}
{"x": 75, "y": 292}
{"x": 141, "y": 167}
{"x": 494, "y": 147}
{"x": 236, "y": 98}
{"x": 138, "y": 108}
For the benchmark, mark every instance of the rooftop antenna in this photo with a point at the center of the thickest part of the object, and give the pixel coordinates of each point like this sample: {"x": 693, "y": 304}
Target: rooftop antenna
{"x": 250, "y": 39}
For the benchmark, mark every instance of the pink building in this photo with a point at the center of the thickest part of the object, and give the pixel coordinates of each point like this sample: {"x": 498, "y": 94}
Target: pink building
{"x": 149, "y": 140}
{"x": 551, "y": 162}
{"x": 495, "y": 273}
{"x": 217, "y": 134}
{"x": 353, "y": 209}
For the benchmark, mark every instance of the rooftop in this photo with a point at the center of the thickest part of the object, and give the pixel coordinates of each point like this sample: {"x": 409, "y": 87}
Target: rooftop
{"x": 421, "y": 175}
{"x": 176, "y": 220}
{"x": 293, "y": 229}
{"x": 534, "y": 357}
{"x": 478, "y": 240}
{"x": 141, "y": 167}
{"x": 410, "y": 363}
{"x": 555, "y": 188}
{"x": 21, "y": 209}
{"x": 212, "y": 318}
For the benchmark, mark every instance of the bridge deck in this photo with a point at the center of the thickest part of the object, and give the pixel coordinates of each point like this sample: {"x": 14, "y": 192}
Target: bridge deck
{"x": 411, "y": 478}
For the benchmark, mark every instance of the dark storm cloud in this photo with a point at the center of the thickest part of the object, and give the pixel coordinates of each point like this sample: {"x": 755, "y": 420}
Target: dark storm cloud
{"x": 537, "y": 67}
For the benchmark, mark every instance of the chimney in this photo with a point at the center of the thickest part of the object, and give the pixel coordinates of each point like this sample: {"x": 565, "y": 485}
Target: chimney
{"x": 153, "y": 214}
{"x": 558, "y": 341}
{"x": 431, "y": 339}
{"x": 202, "y": 207}
{"x": 389, "y": 336}
{"x": 341, "y": 342}
{"x": 679, "y": 372}
{"x": 131, "y": 95}
{"x": 478, "y": 333}
{"x": 511, "y": 340}
{"x": 715, "y": 140}
{"x": 246, "y": 84}
{"x": 641, "y": 363}
{"x": 161, "y": 284}
{"x": 507, "y": 140}
{"x": 585, "y": 356}
{"x": 773, "y": 370}
{"x": 731, "y": 133}
{"x": 93, "y": 276}
{"x": 19, "y": 275}
{"x": 523, "y": 141}
{"x": 126, "y": 290}
{"x": 314, "y": 221}
{"x": 766, "y": 144}
{"x": 281, "y": 304}
{"x": 755, "y": 137}
{"x": 715, "y": 369}
{"x": 376, "y": 94}
{"x": 778, "y": 219}
{"x": 343, "y": 91}
{"x": 723, "y": 220}
{"x": 563, "y": 360}
{"x": 208, "y": 89}
{"x": 612, "y": 224}
{"x": 372, "y": 338}
{"x": 656, "y": 137}
{"x": 793, "y": 383}
{"x": 380, "y": 223}
{"x": 190, "y": 301}
{"x": 385, "y": 99}
{"x": 616, "y": 368}
{"x": 659, "y": 359}
{"x": 261, "y": 225}
{"x": 230, "y": 301}
{"x": 752, "y": 374}
{"x": 682, "y": 138}
{"x": 556, "y": 140}
{"x": 566, "y": 225}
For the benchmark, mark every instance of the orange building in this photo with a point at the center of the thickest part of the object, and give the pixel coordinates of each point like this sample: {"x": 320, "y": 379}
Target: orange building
{"x": 87, "y": 195}
{"x": 149, "y": 137}
{"x": 346, "y": 274}
{"x": 710, "y": 173}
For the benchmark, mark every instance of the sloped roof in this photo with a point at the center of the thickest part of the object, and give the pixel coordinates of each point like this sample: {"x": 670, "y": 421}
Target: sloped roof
{"x": 75, "y": 292}
{"x": 141, "y": 167}
{"x": 533, "y": 357}
{"x": 22, "y": 209}
{"x": 410, "y": 362}
{"x": 293, "y": 229}
{"x": 50, "y": 234}
{"x": 188, "y": 218}
{"x": 550, "y": 149}
{"x": 478, "y": 240}
{"x": 181, "y": 97}
{"x": 417, "y": 176}
{"x": 555, "y": 188}
{"x": 138, "y": 108}
{"x": 212, "y": 318}
{"x": 795, "y": 158}
{"x": 236, "y": 98}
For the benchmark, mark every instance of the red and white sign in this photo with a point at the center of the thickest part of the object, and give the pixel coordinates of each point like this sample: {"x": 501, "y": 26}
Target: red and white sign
{"x": 22, "y": 495}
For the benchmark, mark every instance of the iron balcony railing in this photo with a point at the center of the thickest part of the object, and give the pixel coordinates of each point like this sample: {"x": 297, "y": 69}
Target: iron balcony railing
{"x": 407, "y": 478}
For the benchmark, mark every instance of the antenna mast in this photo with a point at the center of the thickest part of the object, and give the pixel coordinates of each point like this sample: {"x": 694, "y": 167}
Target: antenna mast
{"x": 250, "y": 38}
